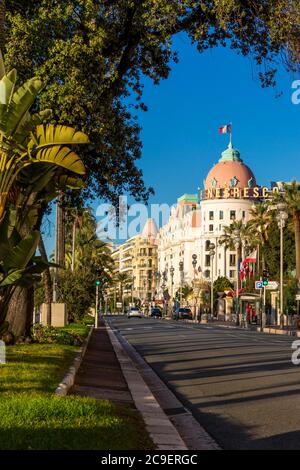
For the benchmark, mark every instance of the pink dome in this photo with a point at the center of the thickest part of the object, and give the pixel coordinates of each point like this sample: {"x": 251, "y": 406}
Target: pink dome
{"x": 230, "y": 174}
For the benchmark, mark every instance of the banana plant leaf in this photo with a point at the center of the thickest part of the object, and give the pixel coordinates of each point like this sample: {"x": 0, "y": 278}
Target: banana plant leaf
{"x": 19, "y": 256}
{"x": 12, "y": 278}
{"x": 63, "y": 157}
{"x": 20, "y": 103}
{"x": 49, "y": 135}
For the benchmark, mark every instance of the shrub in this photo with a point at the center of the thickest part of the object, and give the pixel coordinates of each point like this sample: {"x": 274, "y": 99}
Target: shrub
{"x": 50, "y": 334}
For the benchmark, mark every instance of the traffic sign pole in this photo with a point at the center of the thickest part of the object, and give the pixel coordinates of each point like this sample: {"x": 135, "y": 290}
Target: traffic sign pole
{"x": 97, "y": 301}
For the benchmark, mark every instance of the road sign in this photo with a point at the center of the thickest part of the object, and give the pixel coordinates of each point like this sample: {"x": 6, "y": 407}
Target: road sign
{"x": 119, "y": 305}
{"x": 272, "y": 285}
{"x": 297, "y": 296}
{"x": 258, "y": 284}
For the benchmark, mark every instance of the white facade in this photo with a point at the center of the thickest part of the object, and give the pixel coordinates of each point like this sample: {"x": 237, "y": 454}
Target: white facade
{"x": 229, "y": 193}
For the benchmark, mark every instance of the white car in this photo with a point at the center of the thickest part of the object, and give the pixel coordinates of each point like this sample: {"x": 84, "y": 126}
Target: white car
{"x": 134, "y": 312}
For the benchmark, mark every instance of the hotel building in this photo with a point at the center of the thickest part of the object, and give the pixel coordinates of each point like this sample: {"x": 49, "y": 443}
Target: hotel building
{"x": 229, "y": 193}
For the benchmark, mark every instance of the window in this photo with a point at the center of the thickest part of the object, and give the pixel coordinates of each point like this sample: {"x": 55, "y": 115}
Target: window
{"x": 211, "y": 228}
{"x": 232, "y": 260}
{"x": 232, "y": 215}
{"x": 221, "y": 215}
{"x": 211, "y": 215}
{"x": 207, "y": 243}
{"x": 244, "y": 214}
{"x": 232, "y": 274}
{"x": 207, "y": 260}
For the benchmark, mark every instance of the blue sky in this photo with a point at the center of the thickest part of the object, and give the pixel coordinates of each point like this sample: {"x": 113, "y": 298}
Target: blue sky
{"x": 180, "y": 131}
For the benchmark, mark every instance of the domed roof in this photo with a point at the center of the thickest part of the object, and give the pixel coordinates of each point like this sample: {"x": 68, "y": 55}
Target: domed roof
{"x": 230, "y": 172}
{"x": 150, "y": 229}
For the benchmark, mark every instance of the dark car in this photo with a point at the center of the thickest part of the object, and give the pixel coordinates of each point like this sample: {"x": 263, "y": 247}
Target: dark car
{"x": 183, "y": 313}
{"x": 156, "y": 312}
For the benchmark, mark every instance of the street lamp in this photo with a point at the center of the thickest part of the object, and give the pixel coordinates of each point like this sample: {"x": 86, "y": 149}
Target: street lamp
{"x": 281, "y": 217}
{"x": 237, "y": 243}
{"x": 172, "y": 283}
{"x": 181, "y": 279}
{"x": 194, "y": 263}
{"x": 212, "y": 253}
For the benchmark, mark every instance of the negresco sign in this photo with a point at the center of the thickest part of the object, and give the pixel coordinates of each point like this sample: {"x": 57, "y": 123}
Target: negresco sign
{"x": 258, "y": 192}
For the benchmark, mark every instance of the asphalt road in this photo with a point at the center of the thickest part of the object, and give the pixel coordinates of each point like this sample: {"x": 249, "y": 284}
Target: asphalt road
{"x": 241, "y": 386}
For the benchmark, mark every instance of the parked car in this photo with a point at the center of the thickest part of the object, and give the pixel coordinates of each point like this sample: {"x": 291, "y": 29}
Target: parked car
{"x": 156, "y": 312}
{"x": 134, "y": 312}
{"x": 183, "y": 313}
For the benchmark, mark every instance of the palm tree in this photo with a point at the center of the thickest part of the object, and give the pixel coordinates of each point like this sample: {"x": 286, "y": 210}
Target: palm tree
{"x": 292, "y": 198}
{"x": 260, "y": 220}
{"x": 227, "y": 239}
{"x": 122, "y": 279}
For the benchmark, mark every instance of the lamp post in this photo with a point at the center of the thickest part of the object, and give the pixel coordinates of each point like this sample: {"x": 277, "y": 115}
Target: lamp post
{"x": 157, "y": 278}
{"x": 163, "y": 286}
{"x": 181, "y": 279}
{"x": 172, "y": 285}
{"x": 237, "y": 244}
{"x": 212, "y": 253}
{"x": 281, "y": 219}
{"x": 98, "y": 282}
{"x": 194, "y": 263}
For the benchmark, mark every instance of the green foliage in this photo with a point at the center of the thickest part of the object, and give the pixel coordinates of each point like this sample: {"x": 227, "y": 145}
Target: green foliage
{"x": 50, "y": 334}
{"x": 92, "y": 261}
{"x": 88, "y": 320}
{"x": 271, "y": 251}
{"x": 94, "y": 54}
{"x": 221, "y": 284}
{"x": 32, "y": 162}
{"x": 77, "y": 290}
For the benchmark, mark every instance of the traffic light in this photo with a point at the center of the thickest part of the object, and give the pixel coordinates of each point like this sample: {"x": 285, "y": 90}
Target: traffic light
{"x": 265, "y": 277}
{"x": 98, "y": 282}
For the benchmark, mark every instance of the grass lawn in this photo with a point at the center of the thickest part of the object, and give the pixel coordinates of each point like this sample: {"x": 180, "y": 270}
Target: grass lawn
{"x": 32, "y": 417}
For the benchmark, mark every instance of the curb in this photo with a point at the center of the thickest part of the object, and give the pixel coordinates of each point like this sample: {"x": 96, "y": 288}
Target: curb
{"x": 69, "y": 379}
{"x": 161, "y": 430}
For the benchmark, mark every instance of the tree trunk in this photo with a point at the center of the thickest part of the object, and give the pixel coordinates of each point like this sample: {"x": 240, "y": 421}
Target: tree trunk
{"x": 20, "y": 311}
{"x": 60, "y": 232}
{"x": 2, "y": 25}
{"x": 47, "y": 281}
{"x": 296, "y": 217}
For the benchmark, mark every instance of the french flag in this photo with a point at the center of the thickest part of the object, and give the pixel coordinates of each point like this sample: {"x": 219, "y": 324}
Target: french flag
{"x": 225, "y": 129}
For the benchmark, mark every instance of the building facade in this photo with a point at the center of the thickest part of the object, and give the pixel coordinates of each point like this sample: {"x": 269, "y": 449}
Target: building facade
{"x": 137, "y": 260}
{"x": 229, "y": 193}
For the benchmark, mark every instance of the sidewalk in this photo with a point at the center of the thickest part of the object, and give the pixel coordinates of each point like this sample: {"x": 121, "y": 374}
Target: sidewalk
{"x": 107, "y": 373}
{"x": 100, "y": 375}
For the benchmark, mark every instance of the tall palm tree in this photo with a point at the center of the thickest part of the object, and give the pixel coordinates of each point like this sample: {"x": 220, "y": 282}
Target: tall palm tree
{"x": 122, "y": 279}
{"x": 227, "y": 239}
{"x": 260, "y": 220}
{"x": 292, "y": 198}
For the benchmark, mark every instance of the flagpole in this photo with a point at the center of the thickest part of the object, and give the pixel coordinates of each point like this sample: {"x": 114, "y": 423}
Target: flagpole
{"x": 230, "y": 134}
